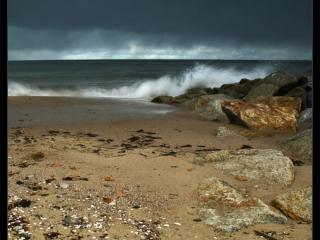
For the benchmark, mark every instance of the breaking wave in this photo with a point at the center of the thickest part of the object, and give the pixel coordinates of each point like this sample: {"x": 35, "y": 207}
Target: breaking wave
{"x": 197, "y": 76}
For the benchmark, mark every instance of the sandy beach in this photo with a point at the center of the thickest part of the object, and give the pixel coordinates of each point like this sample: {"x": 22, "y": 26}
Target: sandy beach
{"x": 87, "y": 174}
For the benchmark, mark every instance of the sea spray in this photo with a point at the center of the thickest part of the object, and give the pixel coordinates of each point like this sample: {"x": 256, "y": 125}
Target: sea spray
{"x": 200, "y": 75}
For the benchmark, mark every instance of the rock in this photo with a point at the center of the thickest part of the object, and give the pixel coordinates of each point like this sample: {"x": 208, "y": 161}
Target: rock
{"x": 299, "y": 146}
{"x": 70, "y": 221}
{"x": 309, "y": 99}
{"x": 276, "y": 84}
{"x": 301, "y": 93}
{"x": 162, "y": 99}
{"x": 64, "y": 185}
{"x": 37, "y": 156}
{"x": 305, "y": 118}
{"x": 264, "y": 89}
{"x": 191, "y": 95}
{"x": 254, "y": 164}
{"x": 238, "y": 90}
{"x": 277, "y": 113}
{"x": 197, "y": 91}
{"x": 227, "y": 210}
{"x": 296, "y": 204}
{"x": 224, "y": 132}
{"x": 209, "y": 107}
{"x": 24, "y": 203}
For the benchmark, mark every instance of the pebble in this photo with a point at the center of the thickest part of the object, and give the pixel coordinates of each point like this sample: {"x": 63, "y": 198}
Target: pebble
{"x": 64, "y": 185}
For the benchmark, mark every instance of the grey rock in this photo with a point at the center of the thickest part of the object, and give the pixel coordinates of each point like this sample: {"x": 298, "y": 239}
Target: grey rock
{"x": 299, "y": 146}
{"x": 301, "y": 93}
{"x": 254, "y": 164}
{"x": 264, "y": 89}
{"x": 227, "y": 210}
{"x": 192, "y": 94}
{"x": 276, "y": 84}
{"x": 70, "y": 221}
{"x": 162, "y": 99}
{"x": 305, "y": 118}
{"x": 209, "y": 107}
{"x": 296, "y": 204}
{"x": 238, "y": 90}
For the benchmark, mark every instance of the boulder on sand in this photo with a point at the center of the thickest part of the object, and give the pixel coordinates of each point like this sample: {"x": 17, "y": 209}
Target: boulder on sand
{"x": 296, "y": 204}
{"x": 209, "y": 107}
{"x": 254, "y": 164}
{"x": 299, "y": 146}
{"x": 227, "y": 210}
{"x": 277, "y": 113}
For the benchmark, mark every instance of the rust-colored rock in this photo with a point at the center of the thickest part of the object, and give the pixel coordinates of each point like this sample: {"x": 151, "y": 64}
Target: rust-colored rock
{"x": 264, "y": 113}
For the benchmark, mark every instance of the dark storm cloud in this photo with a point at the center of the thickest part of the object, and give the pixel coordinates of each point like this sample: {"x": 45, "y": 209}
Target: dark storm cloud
{"x": 115, "y": 24}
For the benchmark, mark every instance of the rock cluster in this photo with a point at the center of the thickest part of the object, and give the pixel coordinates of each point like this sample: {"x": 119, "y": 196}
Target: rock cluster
{"x": 273, "y": 102}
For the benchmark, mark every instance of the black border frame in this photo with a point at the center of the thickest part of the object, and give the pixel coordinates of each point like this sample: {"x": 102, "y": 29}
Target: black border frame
{"x": 4, "y": 129}
{"x": 3, "y": 120}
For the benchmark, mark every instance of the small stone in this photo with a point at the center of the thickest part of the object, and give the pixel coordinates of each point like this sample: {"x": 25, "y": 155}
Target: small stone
{"x": 64, "y": 185}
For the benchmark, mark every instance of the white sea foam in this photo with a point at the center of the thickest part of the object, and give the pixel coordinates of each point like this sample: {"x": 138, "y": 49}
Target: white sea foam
{"x": 198, "y": 76}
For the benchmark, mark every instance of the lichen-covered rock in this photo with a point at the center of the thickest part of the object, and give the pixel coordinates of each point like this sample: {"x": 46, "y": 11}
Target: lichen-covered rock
{"x": 254, "y": 164}
{"x": 227, "y": 210}
{"x": 277, "y": 113}
{"x": 209, "y": 107}
{"x": 296, "y": 204}
{"x": 299, "y": 146}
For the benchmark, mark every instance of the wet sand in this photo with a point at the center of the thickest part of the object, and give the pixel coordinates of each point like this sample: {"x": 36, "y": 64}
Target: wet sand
{"x": 129, "y": 174}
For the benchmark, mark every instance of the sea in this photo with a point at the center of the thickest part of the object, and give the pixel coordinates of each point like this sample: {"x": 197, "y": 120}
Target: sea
{"x": 134, "y": 79}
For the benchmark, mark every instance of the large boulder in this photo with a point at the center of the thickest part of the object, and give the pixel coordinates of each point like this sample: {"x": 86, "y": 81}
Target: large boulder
{"x": 296, "y": 204}
{"x": 209, "y": 107}
{"x": 277, "y": 113}
{"x": 254, "y": 164}
{"x": 238, "y": 90}
{"x": 276, "y": 84}
{"x": 163, "y": 99}
{"x": 227, "y": 210}
{"x": 299, "y": 146}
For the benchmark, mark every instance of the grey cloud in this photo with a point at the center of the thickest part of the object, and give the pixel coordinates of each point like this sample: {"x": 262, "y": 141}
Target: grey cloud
{"x": 85, "y": 25}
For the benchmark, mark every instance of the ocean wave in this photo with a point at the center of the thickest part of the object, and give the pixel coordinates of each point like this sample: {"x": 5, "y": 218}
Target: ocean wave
{"x": 197, "y": 76}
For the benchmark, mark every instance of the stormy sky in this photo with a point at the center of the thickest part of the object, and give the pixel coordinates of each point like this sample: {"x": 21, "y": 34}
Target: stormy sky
{"x": 159, "y": 29}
